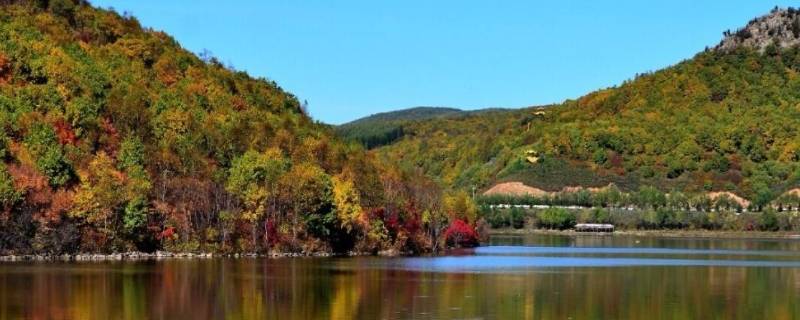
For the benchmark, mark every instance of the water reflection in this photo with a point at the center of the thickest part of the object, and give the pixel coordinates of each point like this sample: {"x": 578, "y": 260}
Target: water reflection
{"x": 520, "y": 250}
{"x": 508, "y": 264}
{"x": 377, "y": 288}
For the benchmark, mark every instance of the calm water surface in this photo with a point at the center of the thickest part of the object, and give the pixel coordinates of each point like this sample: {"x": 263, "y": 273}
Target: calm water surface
{"x": 515, "y": 277}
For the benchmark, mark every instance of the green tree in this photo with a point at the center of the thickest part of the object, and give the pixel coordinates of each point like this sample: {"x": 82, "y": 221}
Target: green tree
{"x": 134, "y": 216}
{"x": 43, "y": 144}
{"x": 254, "y": 178}
{"x": 763, "y": 196}
{"x": 650, "y": 197}
{"x": 307, "y": 190}
{"x": 556, "y": 218}
{"x": 768, "y": 221}
{"x": 9, "y": 195}
{"x": 131, "y": 153}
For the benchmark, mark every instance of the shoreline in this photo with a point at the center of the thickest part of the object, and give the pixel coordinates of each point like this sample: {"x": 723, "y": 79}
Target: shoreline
{"x": 144, "y": 256}
{"x": 710, "y": 234}
{"x": 166, "y": 255}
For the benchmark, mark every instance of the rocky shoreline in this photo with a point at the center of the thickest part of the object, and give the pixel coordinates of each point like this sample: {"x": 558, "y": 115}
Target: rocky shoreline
{"x": 164, "y": 255}
{"x": 158, "y": 255}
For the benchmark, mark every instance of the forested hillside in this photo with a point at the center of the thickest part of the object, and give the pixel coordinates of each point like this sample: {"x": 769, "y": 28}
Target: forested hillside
{"x": 385, "y": 128}
{"x": 115, "y": 138}
{"x": 725, "y": 120}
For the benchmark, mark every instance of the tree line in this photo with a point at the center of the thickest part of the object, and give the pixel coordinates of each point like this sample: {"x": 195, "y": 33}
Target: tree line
{"x": 664, "y": 218}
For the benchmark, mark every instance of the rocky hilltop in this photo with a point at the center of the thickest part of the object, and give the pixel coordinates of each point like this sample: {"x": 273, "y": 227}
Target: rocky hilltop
{"x": 780, "y": 26}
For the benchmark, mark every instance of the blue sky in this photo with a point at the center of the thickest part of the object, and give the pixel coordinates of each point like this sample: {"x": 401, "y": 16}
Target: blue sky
{"x": 349, "y": 59}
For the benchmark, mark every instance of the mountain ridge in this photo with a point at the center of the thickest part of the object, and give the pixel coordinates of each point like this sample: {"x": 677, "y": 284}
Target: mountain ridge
{"x": 722, "y": 120}
{"x": 387, "y": 127}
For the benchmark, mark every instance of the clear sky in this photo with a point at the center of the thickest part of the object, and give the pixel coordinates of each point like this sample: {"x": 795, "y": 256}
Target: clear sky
{"x": 349, "y": 59}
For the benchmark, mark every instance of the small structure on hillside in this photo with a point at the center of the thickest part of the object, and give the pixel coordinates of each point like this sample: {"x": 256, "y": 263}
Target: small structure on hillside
{"x": 594, "y": 227}
{"x": 532, "y": 156}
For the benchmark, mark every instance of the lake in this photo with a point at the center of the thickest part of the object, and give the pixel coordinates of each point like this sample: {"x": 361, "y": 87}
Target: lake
{"x": 513, "y": 277}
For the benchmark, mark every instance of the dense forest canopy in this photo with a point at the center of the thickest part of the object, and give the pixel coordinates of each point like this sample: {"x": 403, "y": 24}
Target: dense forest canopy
{"x": 115, "y": 138}
{"x": 385, "y": 128}
{"x": 724, "y": 120}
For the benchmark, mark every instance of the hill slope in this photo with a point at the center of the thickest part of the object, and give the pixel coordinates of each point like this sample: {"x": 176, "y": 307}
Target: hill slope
{"x": 416, "y": 113}
{"x": 385, "y": 128}
{"x": 727, "y": 119}
{"x": 115, "y": 138}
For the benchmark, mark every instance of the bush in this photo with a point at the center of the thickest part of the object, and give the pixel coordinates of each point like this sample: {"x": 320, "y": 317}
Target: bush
{"x": 676, "y": 219}
{"x": 595, "y": 215}
{"x": 649, "y": 220}
{"x": 517, "y": 218}
{"x": 625, "y": 219}
{"x": 9, "y": 195}
{"x": 768, "y": 221}
{"x": 461, "y": 234}
{"x": 496, "y": 219}
{"x": 663, "y": 218}
{"x": 556, "y": 218}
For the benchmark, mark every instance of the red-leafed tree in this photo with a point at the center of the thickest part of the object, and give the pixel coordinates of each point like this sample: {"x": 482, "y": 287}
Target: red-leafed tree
{"x": 461, "y": 234}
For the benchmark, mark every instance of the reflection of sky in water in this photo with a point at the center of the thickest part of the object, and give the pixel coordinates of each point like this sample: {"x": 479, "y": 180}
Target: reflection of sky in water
{"x": 505, "y": 259}
{"x": 516, "y": 250}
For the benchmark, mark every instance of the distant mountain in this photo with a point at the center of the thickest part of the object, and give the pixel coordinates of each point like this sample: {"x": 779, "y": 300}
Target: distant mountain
{"x": 416, "y": 113}
{"x": 727, "y": 119}
{"x": 385, "y": 128}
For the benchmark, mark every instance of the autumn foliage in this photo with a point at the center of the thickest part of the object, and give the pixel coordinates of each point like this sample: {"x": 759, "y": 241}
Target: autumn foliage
{"x": 461, "y": 234}
{"x": 5, "y": 68}
{"x": 113, "y": 138}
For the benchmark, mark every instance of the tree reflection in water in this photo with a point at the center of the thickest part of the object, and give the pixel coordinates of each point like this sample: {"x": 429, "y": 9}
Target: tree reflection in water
{"x": 373, "y": 288}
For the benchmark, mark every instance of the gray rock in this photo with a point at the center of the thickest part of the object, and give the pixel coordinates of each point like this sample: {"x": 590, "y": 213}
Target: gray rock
{"x": 780, "y": 26}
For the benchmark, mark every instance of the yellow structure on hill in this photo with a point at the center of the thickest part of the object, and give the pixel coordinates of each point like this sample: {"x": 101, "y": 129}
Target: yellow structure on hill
{"x": 532, "y": 156}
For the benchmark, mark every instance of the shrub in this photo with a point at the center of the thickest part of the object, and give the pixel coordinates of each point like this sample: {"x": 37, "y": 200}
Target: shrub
{"x": 595, "y": 215}
{"x": 649, "y": 220}
{"x": 768, "y": 221}
{"x": 556, "y": 218}
{"x": 9, "y": 195}
{"x": 483, "y": 230}
{"x": 496, "y": 218}
{"x": 625, "y": 219}
{"x": 517, "y": 218}
{"x": 461, "y": 234}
